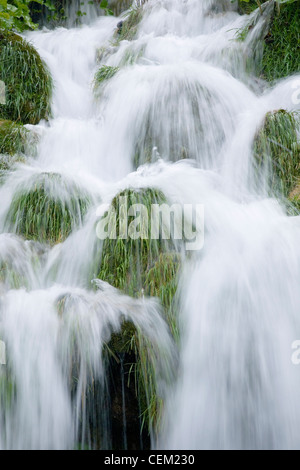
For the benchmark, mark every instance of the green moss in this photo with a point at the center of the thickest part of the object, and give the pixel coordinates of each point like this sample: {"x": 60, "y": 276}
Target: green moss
{"x": 276, "y": 146}
{"x": 49, "y": 210}
{"x": 27, "y": 80}
{"x": 125, "y": 261}
{"x": 12, "y": 138}
{"x": 141, "y": 267}
{"x": 281, "y": 56}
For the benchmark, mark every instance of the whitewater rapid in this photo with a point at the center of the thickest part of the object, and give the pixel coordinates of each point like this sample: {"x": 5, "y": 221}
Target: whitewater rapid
{"x": 183, "y": 89}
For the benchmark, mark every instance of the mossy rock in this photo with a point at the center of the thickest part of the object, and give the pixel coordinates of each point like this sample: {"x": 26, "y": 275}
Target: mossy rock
{"x": 125, "y": 260}
{"x": 141, "y": 267}
{"x": 27, "y": 80}
{"x": 48, "y": 209}
{"x": 13, "y": 138}
{"x": 281, "y": 56}
{"x": 276, "y": 147}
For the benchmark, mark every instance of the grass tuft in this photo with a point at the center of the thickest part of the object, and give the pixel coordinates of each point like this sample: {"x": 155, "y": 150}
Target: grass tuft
{"x": 276, "y": 147}
{"x": 49, "y": 210}
{"x": 281, "y": 56}
{"x": 13, "y": 138}
{"x": 141, "y": 267}
{"x": 128, "y": 30}
{"x": 27, "y": 80}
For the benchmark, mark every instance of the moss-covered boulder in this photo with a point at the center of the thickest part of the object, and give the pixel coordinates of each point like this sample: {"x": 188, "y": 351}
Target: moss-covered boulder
{"x": 140, "y": 267}
{"x": 126, "y": 260}
{"x": 276, "y": 148}
{"x": 28, "y": 84}
{"x": 13, "y": 138}
{"x": 47, "y": 209}
{"x": 281, "y": 56}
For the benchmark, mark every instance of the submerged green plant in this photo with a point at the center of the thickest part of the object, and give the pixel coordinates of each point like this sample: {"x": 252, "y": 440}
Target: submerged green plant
{"x": 162, "y": 281}
{"x": 276, "y": 147}
{"x": 28, "y": 83}
{"x": 8, "y": 390}
{"x": 10, "y": 277}
{"x": 8, "y": 163}
{"x": 103, "y": 74}
{"x": 48, "y": 210}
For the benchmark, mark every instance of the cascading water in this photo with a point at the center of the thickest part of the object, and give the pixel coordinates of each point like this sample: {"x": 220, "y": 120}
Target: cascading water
{"x": 184, "y": 107}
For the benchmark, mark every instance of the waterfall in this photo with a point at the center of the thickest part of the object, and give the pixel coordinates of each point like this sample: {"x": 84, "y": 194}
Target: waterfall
{"x": 178, "y": 114}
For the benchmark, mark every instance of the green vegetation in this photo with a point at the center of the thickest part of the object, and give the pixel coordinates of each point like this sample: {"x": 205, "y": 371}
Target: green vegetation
{"x": 10, "y": 277}
{"x": 16, "y": 14}
{"x": 247, "y": 6}
{"x": 276, "y": 147}
{"x": 125, "y": 261}
{"x": 13, "y": 138}
{"x": 161, "y": 282}
{"x": 141, "y": 267}
{"x": 7, "y": 389}
{"x": 141, "y": 356}
{"x": 27, "y": 79}
{"x": 104, "y": 73}
{"x": 130, "y": 25}
{"x": 118, "y": 6}
{"x": 282, "y": 45}
{"x": 49, "y": 210}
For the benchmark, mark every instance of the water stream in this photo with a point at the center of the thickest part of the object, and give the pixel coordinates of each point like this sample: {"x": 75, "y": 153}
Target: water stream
{"x": 185, "y": 91}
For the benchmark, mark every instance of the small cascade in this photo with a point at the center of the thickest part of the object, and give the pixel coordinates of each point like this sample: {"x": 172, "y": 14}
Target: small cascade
{"x": 138, "y": 343}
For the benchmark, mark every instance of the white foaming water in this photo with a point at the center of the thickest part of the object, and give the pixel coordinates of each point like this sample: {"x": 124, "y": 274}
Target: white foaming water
{"x": 183, "y": 89}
